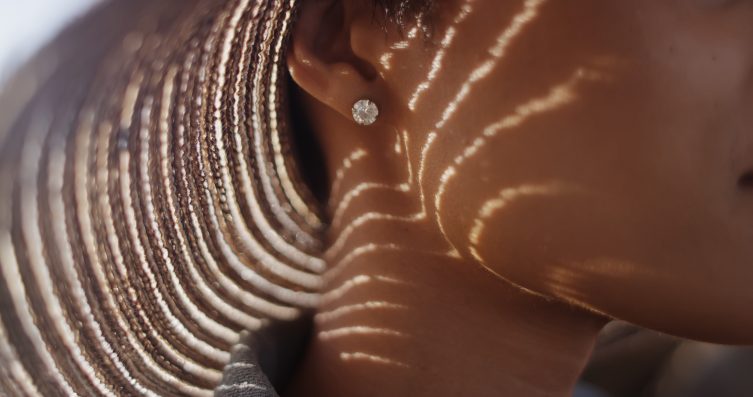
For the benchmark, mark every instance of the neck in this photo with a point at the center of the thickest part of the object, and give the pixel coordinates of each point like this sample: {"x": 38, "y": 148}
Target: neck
{"x": 400, "y": 318}
{"x": 403, "y": 321}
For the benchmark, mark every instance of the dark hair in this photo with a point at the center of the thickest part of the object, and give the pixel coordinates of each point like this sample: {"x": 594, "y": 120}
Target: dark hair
{"x": 403, "y": 12}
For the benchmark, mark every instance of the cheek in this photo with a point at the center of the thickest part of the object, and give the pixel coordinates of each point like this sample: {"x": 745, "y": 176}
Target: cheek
{"x": 610, "y": 141}
{"x": 699, "y": 60}
{"x": 608, "y": 199}
{"x": 632, "y": 249}
{"x": 620, "y": 199}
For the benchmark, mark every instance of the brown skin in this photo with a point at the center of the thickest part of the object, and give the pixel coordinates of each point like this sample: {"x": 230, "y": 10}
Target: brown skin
{"x": 619, "y": 194}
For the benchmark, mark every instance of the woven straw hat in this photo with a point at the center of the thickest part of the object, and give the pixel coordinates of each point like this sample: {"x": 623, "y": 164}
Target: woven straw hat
{"x": 150, "y": 209}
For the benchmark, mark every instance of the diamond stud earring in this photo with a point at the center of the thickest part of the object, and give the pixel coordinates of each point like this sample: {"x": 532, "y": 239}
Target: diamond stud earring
{"x": 365, "y": 112}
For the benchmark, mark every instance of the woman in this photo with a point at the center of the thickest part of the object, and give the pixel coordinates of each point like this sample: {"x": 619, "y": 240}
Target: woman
{"x": 463, "y": 192}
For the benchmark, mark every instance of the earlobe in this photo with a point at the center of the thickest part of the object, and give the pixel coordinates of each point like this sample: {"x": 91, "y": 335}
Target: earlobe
{"x": 321, "y": 60}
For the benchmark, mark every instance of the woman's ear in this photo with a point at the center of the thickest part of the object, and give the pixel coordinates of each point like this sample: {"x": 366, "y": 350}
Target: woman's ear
{"x": 322, "y": 59}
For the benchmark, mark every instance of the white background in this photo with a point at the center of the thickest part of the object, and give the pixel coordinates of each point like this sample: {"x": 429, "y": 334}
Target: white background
{"x": 25, "y": 25}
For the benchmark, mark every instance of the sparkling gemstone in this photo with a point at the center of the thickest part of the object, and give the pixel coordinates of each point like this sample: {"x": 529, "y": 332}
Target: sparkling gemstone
{"x": 365, "y": 112}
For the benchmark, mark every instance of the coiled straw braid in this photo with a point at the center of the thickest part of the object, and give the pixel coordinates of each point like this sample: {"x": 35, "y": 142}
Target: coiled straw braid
{"x": 149, "y": 207}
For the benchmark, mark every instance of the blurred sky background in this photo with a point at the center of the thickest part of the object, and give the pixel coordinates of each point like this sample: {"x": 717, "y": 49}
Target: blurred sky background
{"x": 25, "y": 25}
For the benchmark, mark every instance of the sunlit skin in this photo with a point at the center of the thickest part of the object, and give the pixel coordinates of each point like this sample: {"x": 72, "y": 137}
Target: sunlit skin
{"x": 538, "y": 169}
